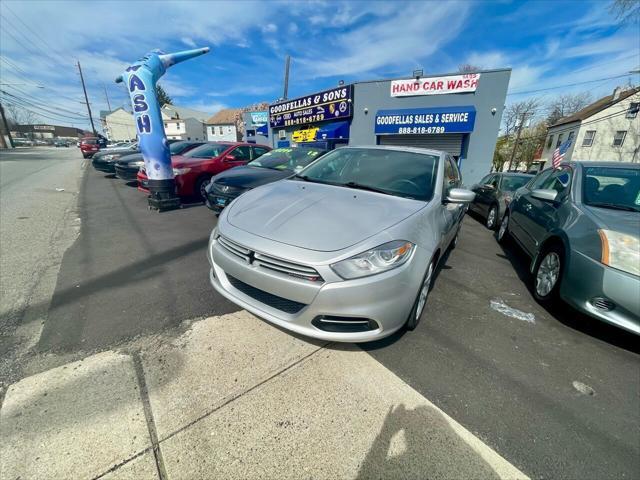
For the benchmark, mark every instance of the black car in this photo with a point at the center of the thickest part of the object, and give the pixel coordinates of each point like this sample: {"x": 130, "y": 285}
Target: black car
{"x": 274, "y": 165}
{"x": 127, "y": 166}
{"x": 105, "y": 160}
{"x": 493, "y": 194}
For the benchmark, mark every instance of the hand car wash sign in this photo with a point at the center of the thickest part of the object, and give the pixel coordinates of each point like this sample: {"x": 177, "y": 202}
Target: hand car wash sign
{"x": 435, "y": 85}
{"x": 425, "y": 121}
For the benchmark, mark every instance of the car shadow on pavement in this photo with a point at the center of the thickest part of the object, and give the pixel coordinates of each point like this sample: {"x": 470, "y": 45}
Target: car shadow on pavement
{"x": 420, "y": 443}
{"x": 564, "y": 313}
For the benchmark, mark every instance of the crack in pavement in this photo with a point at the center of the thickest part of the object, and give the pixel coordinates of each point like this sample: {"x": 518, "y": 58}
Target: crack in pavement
{"x": 151, "y": 424}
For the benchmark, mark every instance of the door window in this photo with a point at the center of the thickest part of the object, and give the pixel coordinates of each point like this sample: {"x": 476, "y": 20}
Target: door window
{"x": 451, "y": 174}
{"x": 485, "y": 179}
{"x": 242, "y": 154}
{"x": 560, "y": 181}
{"x": 258, "y": 151}
{"x": 494, "y": 181}
{"x": 539, "y": 179}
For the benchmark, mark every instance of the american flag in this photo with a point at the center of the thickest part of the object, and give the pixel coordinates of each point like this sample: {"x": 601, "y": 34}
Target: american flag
{"x": 558, "y": 153}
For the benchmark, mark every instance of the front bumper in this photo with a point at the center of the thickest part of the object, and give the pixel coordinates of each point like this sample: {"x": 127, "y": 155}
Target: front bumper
{"x": 385, "y": 299}
{"x": 218, "y": 202}
{"x": 126, "y": 173}
{"x": 587, "y": 280}
{"x": 106, "y": 167}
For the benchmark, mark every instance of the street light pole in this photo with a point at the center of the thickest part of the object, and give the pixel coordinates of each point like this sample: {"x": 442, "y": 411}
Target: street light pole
{"x": 515, "y": 145}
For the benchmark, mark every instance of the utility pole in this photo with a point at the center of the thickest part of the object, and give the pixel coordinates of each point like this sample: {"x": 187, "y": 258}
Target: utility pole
{"x": 84, "y": 89}
{"x": 5, "y": 127}
{"x": 515, "y": 145}
{"x": 287, "y": 62}
{"x": 107, "y": 96}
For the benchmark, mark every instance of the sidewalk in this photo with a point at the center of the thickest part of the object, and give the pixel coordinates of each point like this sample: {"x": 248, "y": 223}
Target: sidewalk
{"x": 233, "y": 397}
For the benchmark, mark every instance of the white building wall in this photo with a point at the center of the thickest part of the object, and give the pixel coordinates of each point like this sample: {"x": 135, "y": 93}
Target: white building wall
{"x": 120, "y": 126}
{"x": 222, "y": 133}
{"x": 602, "y": 148}
{"x": 187, "y": 129}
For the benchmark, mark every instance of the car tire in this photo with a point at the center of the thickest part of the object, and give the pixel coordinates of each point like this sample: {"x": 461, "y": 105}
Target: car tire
{"x": 199, "y": 187}
{"x": 502, "y": 235}
{"x": 547, "y": 274}
{"x": 421, "y": 299}
{"x": 492, "y": 217}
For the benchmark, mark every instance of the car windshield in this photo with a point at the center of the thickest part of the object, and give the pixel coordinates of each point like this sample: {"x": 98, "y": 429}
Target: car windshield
{"x": 207, "y": 150}
{"x": 514, "y": 182}
{"x": 178, "y": 147}
{"x": 612, "y": 187}
{"x": 393, "y": 172}
{"x": 294, "y": 159}
{"x": 90, "y": 141}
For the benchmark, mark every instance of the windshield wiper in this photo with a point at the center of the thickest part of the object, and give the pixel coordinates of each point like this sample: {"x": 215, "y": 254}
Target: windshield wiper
{"x": 360, "y": 186}
{"x": 614, "y": 206}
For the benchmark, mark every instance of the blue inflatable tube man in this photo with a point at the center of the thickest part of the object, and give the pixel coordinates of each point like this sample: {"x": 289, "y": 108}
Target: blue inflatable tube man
{"x": 140, "y": 79}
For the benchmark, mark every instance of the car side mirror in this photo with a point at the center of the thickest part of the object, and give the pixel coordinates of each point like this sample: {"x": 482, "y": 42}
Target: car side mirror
{"x": 460, "y": 195}
{"x": 545, "y": 194}
{"x": 230, "y": 158}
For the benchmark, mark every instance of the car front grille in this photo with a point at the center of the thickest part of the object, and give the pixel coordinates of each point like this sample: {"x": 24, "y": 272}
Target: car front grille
{"x": 274, "y": 301}
{"x": 226, "y": 189}
{"x": 268, "y": 262}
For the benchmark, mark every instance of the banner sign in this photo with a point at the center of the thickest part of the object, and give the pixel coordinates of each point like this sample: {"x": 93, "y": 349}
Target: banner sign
{"x": 419, "y": 121}
{"x": 331, "y": 104}
{"x": 44, "y": 127}
{"x": 306, "y": 135}
{"x": 463, "y": 83}
{"x": 259, "y": 118}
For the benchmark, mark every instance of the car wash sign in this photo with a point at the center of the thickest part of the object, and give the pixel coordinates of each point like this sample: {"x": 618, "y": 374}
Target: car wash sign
{"x": 425, "y": 121}
{"x": 334, "y": 104}
{"x": 465, "y": 83}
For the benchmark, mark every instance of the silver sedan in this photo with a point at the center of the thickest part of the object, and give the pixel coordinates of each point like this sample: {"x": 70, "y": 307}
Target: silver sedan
{"x": 346, "y": 249}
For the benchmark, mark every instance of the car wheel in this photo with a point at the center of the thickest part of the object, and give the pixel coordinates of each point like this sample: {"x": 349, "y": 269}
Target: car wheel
{"x": 492, "y": 218}
{"x": 201, "y": 185}
{"x": 503, "y": 231}
{"x": 421, "y": 299}
{"x": 547, "y": 274}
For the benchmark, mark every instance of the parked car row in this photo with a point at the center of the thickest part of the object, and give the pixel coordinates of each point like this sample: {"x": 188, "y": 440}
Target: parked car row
{"x": 580, "y": 226}
{"x": 343, "y": 245}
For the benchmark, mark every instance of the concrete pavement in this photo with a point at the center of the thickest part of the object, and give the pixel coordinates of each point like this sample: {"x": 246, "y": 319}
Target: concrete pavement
{"x": 233, "y": 397}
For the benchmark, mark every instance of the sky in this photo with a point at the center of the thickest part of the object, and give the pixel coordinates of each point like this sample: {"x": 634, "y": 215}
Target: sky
{"x": 546, "y": 43}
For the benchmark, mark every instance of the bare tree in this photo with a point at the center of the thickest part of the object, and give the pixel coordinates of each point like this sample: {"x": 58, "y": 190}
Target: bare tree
{"x": 514, "y": 113}
{"x": 567, "y": 104}
{"x": 18, "y": 115}
{"x": 626, "y": 11}
{"x": 468, "y": 68}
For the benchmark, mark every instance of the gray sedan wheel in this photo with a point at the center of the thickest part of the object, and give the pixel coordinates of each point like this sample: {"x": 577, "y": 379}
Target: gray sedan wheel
{"x": 547, "y": 274}
{"x": 492, "y": 218}
{"x": 421, "y": 300}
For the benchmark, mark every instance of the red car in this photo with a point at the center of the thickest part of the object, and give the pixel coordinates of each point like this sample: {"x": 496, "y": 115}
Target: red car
{"x": 89, "y": 146}
{"x": 194, "y": 169}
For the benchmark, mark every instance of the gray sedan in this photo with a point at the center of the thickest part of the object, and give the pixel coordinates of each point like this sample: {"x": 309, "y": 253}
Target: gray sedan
{"x": 581, "y": 226}
{"x": 346, "y": 249}
{"x": 493, "y": 194}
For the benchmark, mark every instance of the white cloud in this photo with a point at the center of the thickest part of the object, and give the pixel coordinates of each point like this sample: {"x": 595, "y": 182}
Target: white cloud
{"x": 188, "y": 42}
{"x": 270, "y": 28}
{"x": 210, "y": 108}
{"x": 487, "y": 60}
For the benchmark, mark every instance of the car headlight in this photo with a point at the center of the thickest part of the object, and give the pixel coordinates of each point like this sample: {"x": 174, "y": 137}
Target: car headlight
{"x": 377, "y": 260}
{"x": 106, "y": 157}
{"x": 180, "y": 171}
{"x": 620, "y": 251}
{"x": 137, "y": 164}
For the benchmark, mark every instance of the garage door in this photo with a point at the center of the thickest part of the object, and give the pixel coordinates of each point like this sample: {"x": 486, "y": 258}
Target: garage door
{"x": 450, "y": 142}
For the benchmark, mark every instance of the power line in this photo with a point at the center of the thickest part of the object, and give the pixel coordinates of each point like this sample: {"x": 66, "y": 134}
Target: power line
{"x": 38, "y": 114}
{"x": 47, "y": 45}
{"x": 21, "y": 44}
{"x": 27, "y": 103}
{"x": 569, "y": 85}
{"x": 45, "y": 102}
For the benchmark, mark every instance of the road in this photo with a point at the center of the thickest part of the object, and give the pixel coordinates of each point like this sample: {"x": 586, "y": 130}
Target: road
{"x": 38, "y": 191}
{"x": 556, "y": 394}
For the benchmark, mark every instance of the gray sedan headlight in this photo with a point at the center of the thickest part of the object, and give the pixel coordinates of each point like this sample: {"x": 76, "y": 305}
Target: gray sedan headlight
{"x": 137, "y": 164}
{"x": 377, "y": 260}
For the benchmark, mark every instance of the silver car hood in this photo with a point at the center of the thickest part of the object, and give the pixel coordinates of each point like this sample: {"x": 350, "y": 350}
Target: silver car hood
{"x": 316, "y": 216}
{"x": 618, "y": 220}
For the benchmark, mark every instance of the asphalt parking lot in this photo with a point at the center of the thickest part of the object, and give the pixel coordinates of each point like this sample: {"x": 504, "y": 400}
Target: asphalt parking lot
{"x": 554, "y": 392}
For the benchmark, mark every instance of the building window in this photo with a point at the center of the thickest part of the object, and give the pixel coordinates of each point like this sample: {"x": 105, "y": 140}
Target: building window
{"x": 177, "y": 126}
{"x": 618, "y": 138}
{"x": 220, "y": 131}
{"x": 589, "y": 135}
{"x": 559, "y": 142}
{"x": 633, "y": 110}
{"x": 165, "y": 125}
{"x": 550, "y": 142}
{"x": 571, "y": 135}
{"x": 229, "y": 129}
